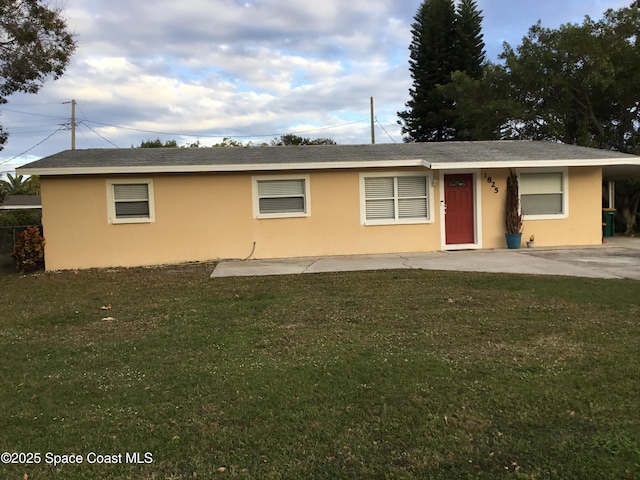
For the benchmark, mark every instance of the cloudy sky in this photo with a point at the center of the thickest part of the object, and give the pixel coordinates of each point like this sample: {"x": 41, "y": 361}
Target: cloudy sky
{"x": 248, "y": 69}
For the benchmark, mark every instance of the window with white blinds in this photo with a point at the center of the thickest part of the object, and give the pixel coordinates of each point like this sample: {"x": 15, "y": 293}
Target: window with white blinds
{"x": 543, "y": 194}
{"x": 281, "y": 197}
{"x": 130, "y": 201}
{"x": 396, "y": 199}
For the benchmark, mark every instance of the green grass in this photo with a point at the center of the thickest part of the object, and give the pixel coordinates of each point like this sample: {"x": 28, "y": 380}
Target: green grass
{"x": 395, "y": 374}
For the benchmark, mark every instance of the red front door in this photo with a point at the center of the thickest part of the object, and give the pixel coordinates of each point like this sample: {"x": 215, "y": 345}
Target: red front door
{"x": 459, "y": 211}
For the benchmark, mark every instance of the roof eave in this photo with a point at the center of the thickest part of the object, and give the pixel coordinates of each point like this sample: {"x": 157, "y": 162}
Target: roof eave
{"x": 270, "y": 167}
{"x": 20, "y": 207}
{"x": 254, "y": 167}
{"x": 600, "y": 162}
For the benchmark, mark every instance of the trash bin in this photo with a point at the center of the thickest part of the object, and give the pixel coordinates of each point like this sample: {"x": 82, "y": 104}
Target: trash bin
{"x": 608, "y": 222}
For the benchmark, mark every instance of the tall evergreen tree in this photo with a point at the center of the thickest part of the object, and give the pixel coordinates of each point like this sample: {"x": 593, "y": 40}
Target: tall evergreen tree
{"x": 443, "y": 40}
{"x": 431, "y": 61}
{"x": 470, "y": 43}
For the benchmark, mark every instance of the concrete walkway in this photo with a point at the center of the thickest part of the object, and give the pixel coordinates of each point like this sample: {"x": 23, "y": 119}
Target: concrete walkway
{"x": 619, "y": 257}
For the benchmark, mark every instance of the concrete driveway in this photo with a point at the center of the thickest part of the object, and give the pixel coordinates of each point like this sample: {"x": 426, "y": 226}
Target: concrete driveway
{"x": 618, "y": 258}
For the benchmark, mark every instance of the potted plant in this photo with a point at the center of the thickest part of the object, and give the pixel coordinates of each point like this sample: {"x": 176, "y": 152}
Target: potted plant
{"x": 531, "y": 242}
{"x": 513, "y": 215}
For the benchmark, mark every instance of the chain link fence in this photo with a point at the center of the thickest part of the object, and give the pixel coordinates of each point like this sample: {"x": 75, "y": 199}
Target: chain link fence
{"x": 8, "y": 237}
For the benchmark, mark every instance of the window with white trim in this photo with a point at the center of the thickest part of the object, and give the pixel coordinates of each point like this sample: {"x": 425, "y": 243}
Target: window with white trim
{"x": 543, "y": 194}
{"x": 277, "y": 197}
{"x": 130, "y": 201}
{"x": 392, "y": 198}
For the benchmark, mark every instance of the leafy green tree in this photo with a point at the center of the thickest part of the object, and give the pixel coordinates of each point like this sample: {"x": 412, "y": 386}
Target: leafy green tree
{"x": 291, "y": 139}
{"x": 157, "y": 143}
{"x": 230, "y": 142}
{"x": 35, "y": 46}
{"x": 562, "y": 80}
{"x": 576, "y": 84}
{"x": 16, "y": 218}
{"x": 443, "y": 41}
{"x": 283, "y": 140}
{"x": 483, "y": 110}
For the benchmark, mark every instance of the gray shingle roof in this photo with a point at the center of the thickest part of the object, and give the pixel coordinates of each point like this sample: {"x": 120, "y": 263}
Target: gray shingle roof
{"x": 437, "y": 154}
{"x": 21, "y": 201}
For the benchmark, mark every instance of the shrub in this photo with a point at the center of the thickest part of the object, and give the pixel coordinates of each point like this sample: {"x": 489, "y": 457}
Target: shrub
{"x": 28, "y": 251}
{"x": 13, "y": 218}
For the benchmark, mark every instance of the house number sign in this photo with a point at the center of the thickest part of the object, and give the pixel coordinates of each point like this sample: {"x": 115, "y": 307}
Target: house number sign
{"x": 491, "y": 182}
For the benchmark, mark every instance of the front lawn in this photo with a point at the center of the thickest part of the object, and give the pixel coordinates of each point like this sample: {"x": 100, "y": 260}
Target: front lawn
{"x": 405, "y": 374}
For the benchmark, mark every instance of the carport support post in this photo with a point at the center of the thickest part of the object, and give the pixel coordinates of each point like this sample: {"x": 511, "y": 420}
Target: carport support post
{"x": 612, "y": 194}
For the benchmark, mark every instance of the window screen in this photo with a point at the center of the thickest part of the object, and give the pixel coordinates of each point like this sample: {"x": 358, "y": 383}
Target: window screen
{"x": 397, "y": 198}
{"x": 541, "y": 193}
{"x": 131, "y": 200}
{"x": 282, "y": 196}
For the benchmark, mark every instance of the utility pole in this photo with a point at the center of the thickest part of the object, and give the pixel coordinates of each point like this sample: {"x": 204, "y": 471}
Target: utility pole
{"x": 373, "y": 132}
{"x": 73, "y": 124}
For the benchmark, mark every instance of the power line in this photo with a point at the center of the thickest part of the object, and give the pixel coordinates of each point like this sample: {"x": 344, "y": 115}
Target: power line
{"x": 85, "y": 124}
{"x": 28, "y": 150}
{"x": 30, "y": 113}
{"x": 87, "y": 121}
{"x": 102, "y": 137}
{"x": 385, "y": 131}
{"x": 219, "y": 135}
{"x": 35, "y": 104}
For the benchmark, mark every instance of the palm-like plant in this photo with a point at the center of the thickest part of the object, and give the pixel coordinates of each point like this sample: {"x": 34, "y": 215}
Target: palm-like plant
{"x": 18, "y": 185}
{"x": 513, "y": 215}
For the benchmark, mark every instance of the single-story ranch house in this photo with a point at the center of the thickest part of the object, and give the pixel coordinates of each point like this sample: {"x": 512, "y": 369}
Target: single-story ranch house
{"x": 145, "y": 206}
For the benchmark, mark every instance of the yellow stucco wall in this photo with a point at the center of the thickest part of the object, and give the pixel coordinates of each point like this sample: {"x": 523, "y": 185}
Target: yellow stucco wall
{"x": 202, "y": 217}
{"x": 583, "y": 226}
{"x": 584, "y": 223}
{"x": 493, "y": 206}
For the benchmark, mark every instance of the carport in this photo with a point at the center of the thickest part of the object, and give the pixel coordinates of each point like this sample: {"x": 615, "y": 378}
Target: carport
{"x": 613, "y": 173}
